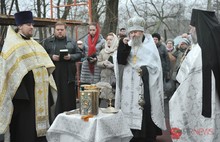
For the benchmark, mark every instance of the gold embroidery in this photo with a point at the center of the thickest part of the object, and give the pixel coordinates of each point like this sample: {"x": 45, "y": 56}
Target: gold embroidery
{"x": 19, "y": 45}
{"x": 134, "y": 59}
{"x": 39, "y": 92}
{"x": 41, "y": 101}
{"x": 13, "y": 68}
{"x": 38, "y": 74}
{"x": 41, "y": 110}
{"x": 14, "y": 55}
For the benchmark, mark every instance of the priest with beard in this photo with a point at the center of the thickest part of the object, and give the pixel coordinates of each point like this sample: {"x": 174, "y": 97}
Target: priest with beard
{"x": 27, "y": 87}
{"x": 139, "y": 83}
{"x": 195, "y": 106}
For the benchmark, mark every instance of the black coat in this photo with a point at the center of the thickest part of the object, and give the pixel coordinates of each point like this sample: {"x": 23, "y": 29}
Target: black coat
{"x": 64, "y": 73}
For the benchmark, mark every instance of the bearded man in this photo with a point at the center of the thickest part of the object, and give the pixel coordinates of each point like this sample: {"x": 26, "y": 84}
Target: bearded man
{"x": 25, "y": 84}
{"x": 195, "y": 106}
{"x": 139, "y": 83}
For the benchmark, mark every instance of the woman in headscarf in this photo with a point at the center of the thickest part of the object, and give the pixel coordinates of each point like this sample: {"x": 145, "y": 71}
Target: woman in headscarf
{"x": 105, "y": 62}
{"x": 90, "y": 73}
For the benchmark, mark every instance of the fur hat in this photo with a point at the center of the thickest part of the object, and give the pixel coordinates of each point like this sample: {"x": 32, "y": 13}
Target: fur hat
{"x": 23, "y": 17}
{"x": 136, "y": 24}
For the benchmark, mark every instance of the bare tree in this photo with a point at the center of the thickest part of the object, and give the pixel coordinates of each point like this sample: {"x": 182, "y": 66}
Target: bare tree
{"x": 3, "y": 7}
{"x": 58, "y": 9}
{"x": 111, "y": 17}
{"x": 67, "y": 9}
{"x": 209, "y": 4}
{"x": 159, "y": 14}
{"x": 17, "y": 5}
{"x": 39, "y": 5}
{"x": 97, "y": 9}
{"x": 216, "y": 7}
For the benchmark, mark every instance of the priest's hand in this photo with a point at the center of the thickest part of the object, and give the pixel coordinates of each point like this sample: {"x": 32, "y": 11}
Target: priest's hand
{"x": 55, "y": 57}
{"x": 125, "y": 40}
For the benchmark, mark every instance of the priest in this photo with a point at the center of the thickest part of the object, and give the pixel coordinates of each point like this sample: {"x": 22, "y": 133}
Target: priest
{"x": 139, "y": 83}
{"x": 25, "y": 82}
{"x": 195, "y": 106}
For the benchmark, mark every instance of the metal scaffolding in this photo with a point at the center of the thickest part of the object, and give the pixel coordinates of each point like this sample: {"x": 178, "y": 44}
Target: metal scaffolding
{"x": 44, "y": 22}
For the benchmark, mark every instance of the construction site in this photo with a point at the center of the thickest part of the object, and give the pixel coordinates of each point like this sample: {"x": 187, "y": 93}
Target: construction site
{"x": 77, "y": 29}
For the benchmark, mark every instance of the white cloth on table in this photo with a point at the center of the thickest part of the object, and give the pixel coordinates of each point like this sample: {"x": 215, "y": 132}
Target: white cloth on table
{"x": 101, "y": 128}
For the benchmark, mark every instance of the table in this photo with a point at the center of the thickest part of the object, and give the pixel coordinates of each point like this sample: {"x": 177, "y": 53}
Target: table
{"x": 104, "y": 127}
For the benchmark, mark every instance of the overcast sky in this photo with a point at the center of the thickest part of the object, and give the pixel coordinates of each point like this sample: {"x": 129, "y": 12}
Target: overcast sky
{"x": 201, "y": 4}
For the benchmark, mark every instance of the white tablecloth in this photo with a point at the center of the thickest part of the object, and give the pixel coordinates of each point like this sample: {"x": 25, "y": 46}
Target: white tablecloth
{"x": 101, "y": 128}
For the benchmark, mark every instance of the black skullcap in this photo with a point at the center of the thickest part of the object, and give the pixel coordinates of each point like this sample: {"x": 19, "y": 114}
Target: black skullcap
{"x": 208, "y": 35}
{"x": 23, "y": 17}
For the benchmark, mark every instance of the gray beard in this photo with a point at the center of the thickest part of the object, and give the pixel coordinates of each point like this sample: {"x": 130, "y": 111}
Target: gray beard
{"x": 136, "y": 41}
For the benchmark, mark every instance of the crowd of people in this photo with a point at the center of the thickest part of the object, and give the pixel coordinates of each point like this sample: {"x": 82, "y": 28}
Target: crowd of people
{"x": 38, "y": 81}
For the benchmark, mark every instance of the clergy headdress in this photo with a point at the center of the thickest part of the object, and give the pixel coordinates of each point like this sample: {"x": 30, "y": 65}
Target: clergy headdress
{"x": 23, "y": 17}
{"x": 136, "y": 24}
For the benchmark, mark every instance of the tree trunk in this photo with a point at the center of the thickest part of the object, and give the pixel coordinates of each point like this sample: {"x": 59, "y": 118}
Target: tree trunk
{"x": 95, "y": 15}
{"x": 3, "y": 29}
{"x": 17, "y": 5}
{"x": 111, "y": 17}
{"x": 3, "y": 7}
{"x": 58, "y": 9}
{"x": 67, "y": 9}
{"x": 209, "y": 4}
{"x": 39, "y": 5}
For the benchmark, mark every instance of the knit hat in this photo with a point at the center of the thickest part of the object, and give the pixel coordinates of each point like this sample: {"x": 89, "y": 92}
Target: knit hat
{"x": 170, "y": 40}
{"x": 185, "y": 40}
{"x": 23, "y": 17}
{"x": 136, "y": 24}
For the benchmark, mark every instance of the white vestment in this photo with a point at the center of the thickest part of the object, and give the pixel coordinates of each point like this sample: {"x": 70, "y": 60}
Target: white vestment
{"x": 186, "y": 104}
{"x": 127, "y": 98}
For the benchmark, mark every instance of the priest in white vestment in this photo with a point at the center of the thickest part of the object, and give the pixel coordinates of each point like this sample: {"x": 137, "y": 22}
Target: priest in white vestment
{"x": 139, "y": 83}
{"x": 194, "y": 107}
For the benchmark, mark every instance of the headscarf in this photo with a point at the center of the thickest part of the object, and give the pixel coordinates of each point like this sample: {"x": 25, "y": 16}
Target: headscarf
{"x": 208, "y": 35}
{"x": 114, "y": 44}
{"x": 92, "y": 46}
